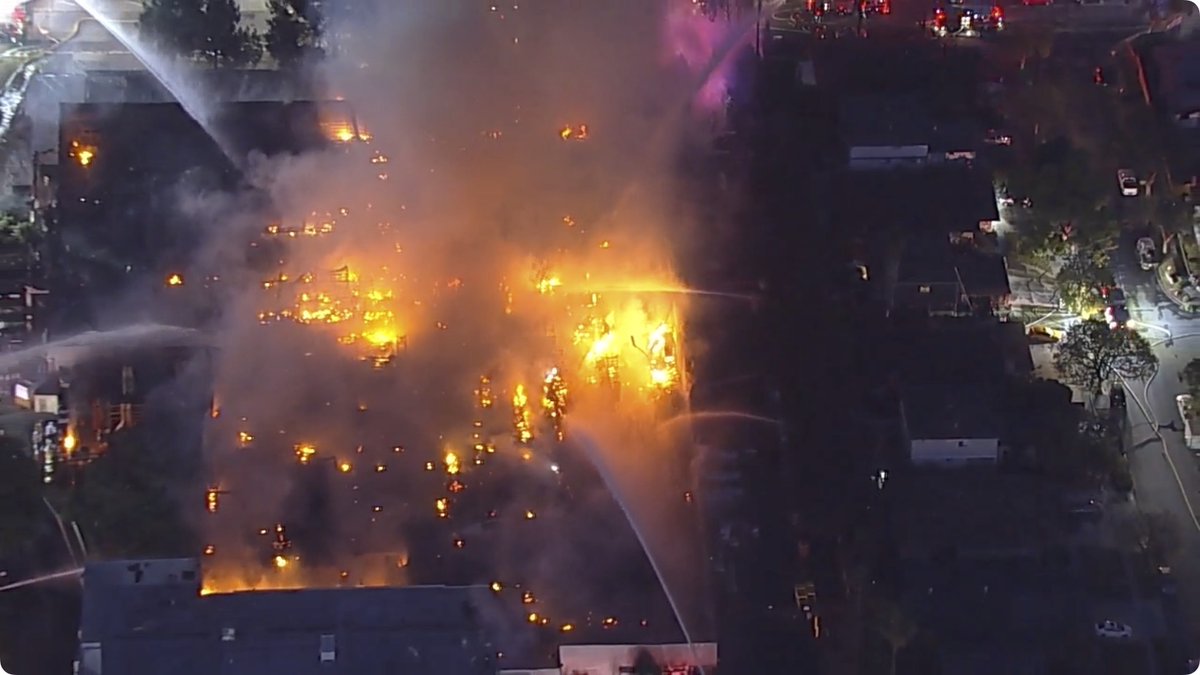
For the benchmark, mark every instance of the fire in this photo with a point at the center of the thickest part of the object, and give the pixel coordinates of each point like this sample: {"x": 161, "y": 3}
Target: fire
{"x": 84, "y": 154}
{"x": 573, "y": 133}
{"x": 212, "y": 499}
{"x": 522, "y": 427}
{"x": 441, "y": 505}
{"x": 245, "y": 438}
{"x": 452, "y": 466}
{"x": 345, "y": 467}
{"x": 175, "y": 280}
{"x": 281, "y": 562}
{"x": 70, "y": 441}
{"x": 305, "y": 452}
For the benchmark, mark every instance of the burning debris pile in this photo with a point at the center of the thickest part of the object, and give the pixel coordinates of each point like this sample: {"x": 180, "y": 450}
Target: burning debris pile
{"x": 401, "y": 393}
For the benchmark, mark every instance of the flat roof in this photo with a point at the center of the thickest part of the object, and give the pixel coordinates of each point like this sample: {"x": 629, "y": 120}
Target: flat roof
{"x": 930, "y": 200}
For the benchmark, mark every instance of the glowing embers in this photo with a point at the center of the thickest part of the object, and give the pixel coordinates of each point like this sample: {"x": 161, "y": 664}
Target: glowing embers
{"x": 522, "y": 418}
{"x": 578, "y": 132}
{"x": 212, "y": 499}
{"x": 554, "y": 401}
{"x": 308, "y": 229}
{"x": 364, "y": 313}
{"x": 483, "y": 395}
{"x": 545, "y": 281}
{"x": 84, "y": 154}
{"x": 305, "y": 452}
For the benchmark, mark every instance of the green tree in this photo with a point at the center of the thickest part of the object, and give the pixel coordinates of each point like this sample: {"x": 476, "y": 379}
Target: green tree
{"x": 174, "y": 26}
{"x": 225, "y": 42}
{"x": 1083, "y": 273}
{"x": 895, "y": 627}
{"x": 1091, "y": 353}
{"x": 124, "y": 502}
{"x": 1068, "y": 195}
{"x": 209, "y": 30}
{"x": 1191, "y": 376}
{"x": 21, "y": 507}
{"x": 294, "y": 32}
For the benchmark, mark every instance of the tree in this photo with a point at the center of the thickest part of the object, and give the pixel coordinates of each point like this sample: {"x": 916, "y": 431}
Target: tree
{"x": 1191, "y": 376}
{"x": 21, "y": 507}
{"x": 225, "y": 41}
{"x": 294, "y": 32}
{"x": 1068, "y": 195}
{"x": 173, "y": 25}
{"x": 124, "y": 502}
{"x": 895, "y": 627}
{"x": 201, "y": 29}
{"x": 1091, "y": 353}
{"x": 1082, "y": 275}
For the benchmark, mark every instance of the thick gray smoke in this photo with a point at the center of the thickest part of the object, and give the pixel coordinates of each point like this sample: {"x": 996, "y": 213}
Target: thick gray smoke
{"x": 517, "y": 190}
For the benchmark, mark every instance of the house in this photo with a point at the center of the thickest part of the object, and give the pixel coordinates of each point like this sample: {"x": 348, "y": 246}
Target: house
{"x": 976, "y": 569}
{"x": 947, "y": 200}
{"x": 949, "y": 374}
{"x": 952, "y": 426}
{"x": 149, "y": 617}
{"x": 953, "y": 276}
{"x": 1176, "y": 86}
{"x": 899, "y": 132}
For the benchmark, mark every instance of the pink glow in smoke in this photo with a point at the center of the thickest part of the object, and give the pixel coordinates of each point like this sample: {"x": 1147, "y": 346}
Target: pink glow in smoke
{"x": 695, "y": 40}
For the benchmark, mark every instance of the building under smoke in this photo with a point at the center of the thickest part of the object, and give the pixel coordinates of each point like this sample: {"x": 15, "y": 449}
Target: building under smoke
{"x": 149, "y": 617}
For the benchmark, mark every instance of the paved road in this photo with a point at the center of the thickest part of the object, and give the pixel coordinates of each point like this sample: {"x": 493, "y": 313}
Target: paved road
{"x": 1165, "y": 472}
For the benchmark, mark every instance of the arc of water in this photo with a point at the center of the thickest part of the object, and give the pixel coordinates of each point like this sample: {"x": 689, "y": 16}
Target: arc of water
{"x": 609, "y": 482}
{"x": 188, "y": 99}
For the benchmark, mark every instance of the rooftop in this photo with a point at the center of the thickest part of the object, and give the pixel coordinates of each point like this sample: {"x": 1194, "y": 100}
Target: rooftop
{"x": 975, "y": 513}
{"x": 1177, "y": 75}
{"x": 948, "y": 411}
{"x": 959, "y": 352}
{"x": 158, "y": 623}
{"x": 936, "y": 200}
{"x": 880, "y": 120}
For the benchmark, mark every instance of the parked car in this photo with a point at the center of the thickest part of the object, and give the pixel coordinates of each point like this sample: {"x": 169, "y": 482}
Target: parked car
{"x": 1115, "y": 310}
{"x": 1147, "y": 253}
{"x": 1113, "y": 629}
{"x": 1128, "y": 183}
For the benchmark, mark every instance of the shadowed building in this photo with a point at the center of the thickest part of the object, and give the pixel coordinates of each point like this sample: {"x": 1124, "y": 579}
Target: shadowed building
{"x": 150, "y": 617}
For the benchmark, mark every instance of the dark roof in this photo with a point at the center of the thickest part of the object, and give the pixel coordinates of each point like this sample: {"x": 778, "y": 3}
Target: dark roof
{"x": 934, "y": 260}
{"x": 957, "y": 352}
{"x": 1177, "y": 75}
{"x": 156, "y": 628}
{"x": 949, "y": 411}
{"x": 125, "y": 207}
{"x": 972, "y": 509}
{"x": 936, "y": 200}
{"x": 873, "y": 120}
{"x": 230, "y": 85}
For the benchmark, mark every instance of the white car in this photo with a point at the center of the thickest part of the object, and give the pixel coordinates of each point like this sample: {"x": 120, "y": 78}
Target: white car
{"x": 1113, "y": 629}
{"x": 1128, "y": 183}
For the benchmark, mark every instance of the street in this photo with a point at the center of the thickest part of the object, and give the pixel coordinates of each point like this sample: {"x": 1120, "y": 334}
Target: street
{"x": 1165, "y": 472}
